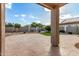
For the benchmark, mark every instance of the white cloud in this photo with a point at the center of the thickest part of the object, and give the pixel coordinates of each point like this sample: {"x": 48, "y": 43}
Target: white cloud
{"x": 34, "y": 17}
{"x": 8, "y": 5}
{"x": 16, "y": 15}
{"x": 47, "y": 10}
{"x": 23, "y": 15}
{"x": 20, "y": 15}
{"x": 38, "y": 21}
{"x": 65, "y": 16}
{"x": 64, "y": 9}
{"x": 47, "y": 23}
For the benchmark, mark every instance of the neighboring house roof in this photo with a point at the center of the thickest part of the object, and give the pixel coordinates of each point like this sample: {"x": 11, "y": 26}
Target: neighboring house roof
{"x": 70, "y": 21}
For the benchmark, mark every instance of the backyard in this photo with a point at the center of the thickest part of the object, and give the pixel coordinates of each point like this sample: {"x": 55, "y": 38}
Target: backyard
{"x": 28, "y": 30}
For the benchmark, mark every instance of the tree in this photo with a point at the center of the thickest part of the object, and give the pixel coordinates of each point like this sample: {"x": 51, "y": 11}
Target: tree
{"x": 9, "y": 25}
{"x": 48, "y": 28}
{"x": 34, "y": 24}
{"x": 39, "y": 25}
{"x": 17, "y": 26}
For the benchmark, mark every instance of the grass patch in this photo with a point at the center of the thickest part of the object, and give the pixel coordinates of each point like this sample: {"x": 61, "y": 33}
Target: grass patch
{"x": 46, "y": 33}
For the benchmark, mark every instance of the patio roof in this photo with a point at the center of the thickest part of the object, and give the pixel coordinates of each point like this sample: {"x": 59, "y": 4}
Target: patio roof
{"x": 52, "y": 5}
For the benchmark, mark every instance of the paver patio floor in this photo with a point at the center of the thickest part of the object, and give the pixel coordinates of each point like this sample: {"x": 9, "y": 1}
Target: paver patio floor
{"x": 39, "y": 45}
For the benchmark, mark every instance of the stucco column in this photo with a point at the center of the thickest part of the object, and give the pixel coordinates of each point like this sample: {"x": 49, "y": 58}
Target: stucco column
{"x": 2, "y": 29}
{"x": 55, "y": 27}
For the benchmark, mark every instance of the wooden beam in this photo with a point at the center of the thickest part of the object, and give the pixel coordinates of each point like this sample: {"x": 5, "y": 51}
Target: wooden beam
{"x": 46, "y": 6}
{"x": 52, "y": 5}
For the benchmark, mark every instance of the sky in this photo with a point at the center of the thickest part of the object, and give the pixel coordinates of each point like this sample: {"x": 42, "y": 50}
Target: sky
{"x": 26, "y": 13}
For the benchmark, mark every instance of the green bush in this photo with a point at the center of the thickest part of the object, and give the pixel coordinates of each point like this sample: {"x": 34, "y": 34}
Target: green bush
{"x": 48, "y": 28}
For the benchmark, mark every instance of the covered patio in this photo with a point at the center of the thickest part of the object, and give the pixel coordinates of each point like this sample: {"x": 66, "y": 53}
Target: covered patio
{"x": 54, "y": 7}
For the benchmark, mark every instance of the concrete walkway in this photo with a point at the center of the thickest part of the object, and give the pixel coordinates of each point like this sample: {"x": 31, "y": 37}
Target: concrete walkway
{"x": 27, "y": 45}
{"x": 39, "y": 45}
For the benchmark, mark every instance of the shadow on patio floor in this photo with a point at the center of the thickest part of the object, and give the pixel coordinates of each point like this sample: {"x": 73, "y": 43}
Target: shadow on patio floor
{"x": 77, "y": 45}
{"x": 54, "y": 51}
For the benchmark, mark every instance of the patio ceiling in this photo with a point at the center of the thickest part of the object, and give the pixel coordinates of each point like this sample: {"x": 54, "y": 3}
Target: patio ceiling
{"x": 52, "y": 5}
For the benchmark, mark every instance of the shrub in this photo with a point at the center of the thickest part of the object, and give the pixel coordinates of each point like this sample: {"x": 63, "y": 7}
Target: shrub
{"x": 48, "y": 28}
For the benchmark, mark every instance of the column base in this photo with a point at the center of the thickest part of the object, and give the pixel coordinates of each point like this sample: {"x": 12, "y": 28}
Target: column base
{"x": 54, "y": 51}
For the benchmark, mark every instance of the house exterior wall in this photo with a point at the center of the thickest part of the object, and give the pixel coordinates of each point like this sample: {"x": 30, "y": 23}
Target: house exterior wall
{"x": 61, "y": 27}
{"x": 73, "y": 28}
{"x": 23, "y": 29}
